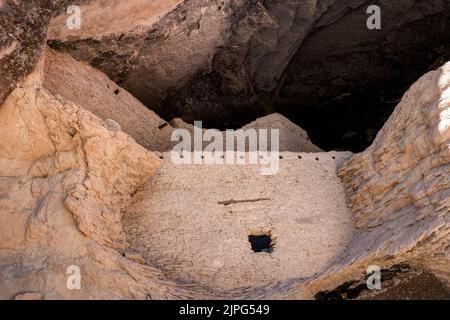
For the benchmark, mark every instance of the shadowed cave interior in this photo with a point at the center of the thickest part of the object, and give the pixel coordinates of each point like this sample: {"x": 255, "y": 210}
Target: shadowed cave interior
{"x": 341, "y": 85}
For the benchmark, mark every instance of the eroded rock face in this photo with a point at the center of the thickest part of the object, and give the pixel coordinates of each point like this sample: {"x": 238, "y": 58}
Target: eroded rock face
{"x": 68, "y": 172}
{"x": 398, "y": 188}
{"x": 22, "y": 36}
{"x": 229, "y": 62}
{"x": 66, "y": 177}
{"x": 65, "y": 186}
{"x": 152, "y": 55}
{"x": 78, "y": 82}
{"x": 64, "y": 180}
{"x": 218, "y": 53}
{"x": 291, "y": 137}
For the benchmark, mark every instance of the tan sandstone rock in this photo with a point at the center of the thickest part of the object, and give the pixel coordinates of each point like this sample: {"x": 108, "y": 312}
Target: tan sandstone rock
{"x": 292, "y": 138}
{"x": 23, "y": 31}
{"x": 398, "y": 189}
{"x": 187, "y": 34}
{"x": 64, "y": 181}
{"x": 67, "y": 177}
{"x": 216, "y": 58}
{"x": 94, "y": 91}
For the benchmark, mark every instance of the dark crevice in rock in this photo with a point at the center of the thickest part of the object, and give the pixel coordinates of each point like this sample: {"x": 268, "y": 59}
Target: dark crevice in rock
{"x": 399, "y": 280}
{"x": 354, "y": 289}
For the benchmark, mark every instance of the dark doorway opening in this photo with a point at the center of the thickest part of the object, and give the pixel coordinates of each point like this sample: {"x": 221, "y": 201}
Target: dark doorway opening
{"x": 261, "y": 243}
